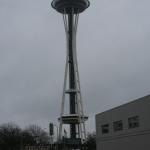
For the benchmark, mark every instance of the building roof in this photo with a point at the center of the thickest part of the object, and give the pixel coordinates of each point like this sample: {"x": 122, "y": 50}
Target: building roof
{"x": 129, "y": 103}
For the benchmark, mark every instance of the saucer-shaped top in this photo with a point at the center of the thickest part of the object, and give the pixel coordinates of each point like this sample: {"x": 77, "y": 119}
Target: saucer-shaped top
{"x": 70, "y": 6}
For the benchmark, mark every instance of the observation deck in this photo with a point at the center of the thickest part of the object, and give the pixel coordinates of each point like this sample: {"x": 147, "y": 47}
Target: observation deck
{"x": 70, "y": 6}
{"x": 73, "y": 118}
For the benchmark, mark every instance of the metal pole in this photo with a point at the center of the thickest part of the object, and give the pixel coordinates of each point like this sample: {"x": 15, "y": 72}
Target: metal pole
{"x": 57, "y": 131}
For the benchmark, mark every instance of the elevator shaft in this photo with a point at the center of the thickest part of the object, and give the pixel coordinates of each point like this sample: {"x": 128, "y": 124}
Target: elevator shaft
{"x": 72, "y": 96}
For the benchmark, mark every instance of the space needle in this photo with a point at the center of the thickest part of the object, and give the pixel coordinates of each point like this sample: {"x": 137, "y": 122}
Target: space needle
{"x": 71, "y": 98}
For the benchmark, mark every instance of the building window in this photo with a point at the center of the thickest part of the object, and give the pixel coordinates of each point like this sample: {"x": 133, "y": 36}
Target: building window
{"x": 133, "y": 122}
{"x": 118, "y": 125}
{"x": 105, "y": 128}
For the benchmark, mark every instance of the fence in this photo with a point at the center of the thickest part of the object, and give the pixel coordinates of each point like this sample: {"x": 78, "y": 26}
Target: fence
{"x": 55, "y": 147}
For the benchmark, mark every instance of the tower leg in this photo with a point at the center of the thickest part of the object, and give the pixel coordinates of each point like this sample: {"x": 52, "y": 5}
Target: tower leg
{"x": 77, "y": 126}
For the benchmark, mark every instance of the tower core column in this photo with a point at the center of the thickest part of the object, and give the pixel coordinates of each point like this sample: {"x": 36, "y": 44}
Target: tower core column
{"x": 71, "y": 74}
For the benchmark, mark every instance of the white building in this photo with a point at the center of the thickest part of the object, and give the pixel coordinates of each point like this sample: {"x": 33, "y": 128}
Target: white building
{"x": 126, "y": 127}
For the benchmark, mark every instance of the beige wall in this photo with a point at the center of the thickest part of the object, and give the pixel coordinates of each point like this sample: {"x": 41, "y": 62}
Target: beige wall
{"x": 127, "y": 139}
{"x": 138, "y": 142}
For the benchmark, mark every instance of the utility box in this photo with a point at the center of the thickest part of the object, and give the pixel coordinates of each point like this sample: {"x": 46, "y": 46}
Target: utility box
{"x": 51, "y": 129}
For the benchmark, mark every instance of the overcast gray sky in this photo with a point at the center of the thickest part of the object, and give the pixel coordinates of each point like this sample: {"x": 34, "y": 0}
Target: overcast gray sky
{"x": 113, "y": 44}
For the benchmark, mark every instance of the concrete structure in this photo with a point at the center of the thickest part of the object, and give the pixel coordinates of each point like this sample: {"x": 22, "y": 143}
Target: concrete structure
{"x": 126, "y": 127}
{"x": 74, "y": 115}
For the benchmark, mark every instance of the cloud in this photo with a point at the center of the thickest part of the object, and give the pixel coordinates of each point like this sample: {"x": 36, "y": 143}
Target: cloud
{"x": 113, "y": 54}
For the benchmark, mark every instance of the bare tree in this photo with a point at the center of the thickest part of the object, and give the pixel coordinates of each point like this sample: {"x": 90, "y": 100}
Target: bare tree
{"x": 39, "y": 135}
{"x": 91, "y": 141}
{"x": 27, "y": 138}
{"x": 10, "y": 136}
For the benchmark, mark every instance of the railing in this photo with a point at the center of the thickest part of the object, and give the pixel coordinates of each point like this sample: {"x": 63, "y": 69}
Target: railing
{"x": 54, "y": 147}
{"x": 36, "y": 148}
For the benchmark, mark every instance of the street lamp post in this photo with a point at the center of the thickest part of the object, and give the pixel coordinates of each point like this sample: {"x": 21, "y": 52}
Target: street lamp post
{"x": 56, "y": 130}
